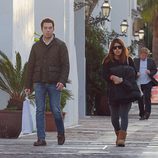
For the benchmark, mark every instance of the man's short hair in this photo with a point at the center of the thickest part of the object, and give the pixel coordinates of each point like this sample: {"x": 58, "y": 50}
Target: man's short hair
{"x": 47, "y": 20}
{"x": 144, "y": 50}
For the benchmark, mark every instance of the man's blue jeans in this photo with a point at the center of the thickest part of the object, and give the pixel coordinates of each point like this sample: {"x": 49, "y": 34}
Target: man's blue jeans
{"x": 41, "y": 90}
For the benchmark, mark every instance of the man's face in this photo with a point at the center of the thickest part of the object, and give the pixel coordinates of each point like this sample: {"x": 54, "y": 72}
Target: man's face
{"x": 143, "y": 55}
{"x": 47, "y": 30}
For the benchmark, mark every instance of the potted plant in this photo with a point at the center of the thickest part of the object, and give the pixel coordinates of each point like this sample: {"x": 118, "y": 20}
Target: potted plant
{"x": 12, "y": 82}
{"x": 50, "y": 122}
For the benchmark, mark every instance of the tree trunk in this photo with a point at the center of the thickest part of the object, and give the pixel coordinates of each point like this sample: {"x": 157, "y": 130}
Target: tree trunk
{"x": 155, "y": 40}
{"x": 92, "y": 6}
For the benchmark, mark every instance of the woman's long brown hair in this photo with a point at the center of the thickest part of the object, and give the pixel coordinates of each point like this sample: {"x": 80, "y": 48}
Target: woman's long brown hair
{"x": 110, "y": 56}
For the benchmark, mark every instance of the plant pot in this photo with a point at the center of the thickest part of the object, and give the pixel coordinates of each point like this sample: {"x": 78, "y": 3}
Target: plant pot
{"x": 10, "y": 123}
{"x": 50, "y": 121}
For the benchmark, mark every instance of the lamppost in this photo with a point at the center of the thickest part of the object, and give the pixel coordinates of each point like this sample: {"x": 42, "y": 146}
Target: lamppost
{"x": 104, "y": 14}
{"x": 139, "y": 36}
{"x": 123, "y": 27}
{"x": 136, "y": 36}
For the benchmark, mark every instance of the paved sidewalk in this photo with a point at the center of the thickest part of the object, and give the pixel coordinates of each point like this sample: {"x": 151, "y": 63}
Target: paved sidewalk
{"x": 92, "y": 138}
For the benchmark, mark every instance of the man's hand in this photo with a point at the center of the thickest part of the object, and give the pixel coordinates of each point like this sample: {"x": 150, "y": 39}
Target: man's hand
{"x": 147, "y": 71}
{"x": 59, "y": 86}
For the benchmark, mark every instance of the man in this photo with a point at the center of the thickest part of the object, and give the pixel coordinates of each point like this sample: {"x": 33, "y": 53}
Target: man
{"x": 47, "y": 73}
{"x": 146, "y": 69}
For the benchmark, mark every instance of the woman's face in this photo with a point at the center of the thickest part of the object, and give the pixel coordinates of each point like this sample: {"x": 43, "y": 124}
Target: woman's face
{"x": 117, "y": 49}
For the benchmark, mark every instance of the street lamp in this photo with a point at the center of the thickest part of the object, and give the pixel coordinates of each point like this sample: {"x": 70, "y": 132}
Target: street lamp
{"x": 106, "y": 8}
{"x": 136, "y": 36}
{"x": 141, "y": 34}
{"x": 124, "y": 27}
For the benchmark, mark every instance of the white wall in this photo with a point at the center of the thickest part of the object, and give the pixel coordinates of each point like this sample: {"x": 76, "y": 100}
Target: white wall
{"x": 23, "y": 27}
{"x": 17, "y": 27}
{"x": 5, "y": 40}
{"x": 6, "y": 19}
{"x": 16, "y": 31}
{"x": 53, "y": 9}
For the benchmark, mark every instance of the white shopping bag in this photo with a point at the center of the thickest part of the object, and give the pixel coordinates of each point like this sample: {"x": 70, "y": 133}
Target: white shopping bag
{"x": 28, "y": 117}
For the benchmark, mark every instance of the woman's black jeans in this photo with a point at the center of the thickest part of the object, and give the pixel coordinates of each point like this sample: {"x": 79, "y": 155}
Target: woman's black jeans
{"x": 119, "y": 115}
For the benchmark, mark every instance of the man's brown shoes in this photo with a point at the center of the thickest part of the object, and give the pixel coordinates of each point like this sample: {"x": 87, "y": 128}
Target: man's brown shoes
{"x": 61, "y": 139}
{"x": 40, "y": 142}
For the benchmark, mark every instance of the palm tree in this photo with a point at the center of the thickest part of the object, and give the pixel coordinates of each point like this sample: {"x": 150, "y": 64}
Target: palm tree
{"x": 12, "y": 80}
{"x": 150, "y": 15}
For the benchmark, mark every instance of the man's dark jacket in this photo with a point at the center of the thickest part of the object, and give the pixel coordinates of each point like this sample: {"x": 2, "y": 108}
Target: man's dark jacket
{"x": 47, "y": 63}
{"x": 150, "y": 66}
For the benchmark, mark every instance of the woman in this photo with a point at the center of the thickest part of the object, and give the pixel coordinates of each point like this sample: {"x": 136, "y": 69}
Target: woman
{"x": 117, "y": 56}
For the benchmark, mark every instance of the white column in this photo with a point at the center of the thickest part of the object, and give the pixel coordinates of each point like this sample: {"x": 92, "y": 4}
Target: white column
{"x": 23, "y": 27}
{"x": 79, "y": 29}
{"x": 72, "y": 106}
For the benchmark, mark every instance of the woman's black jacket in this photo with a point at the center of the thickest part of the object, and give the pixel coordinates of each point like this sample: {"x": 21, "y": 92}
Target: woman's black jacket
{"x": 127, "y": 72}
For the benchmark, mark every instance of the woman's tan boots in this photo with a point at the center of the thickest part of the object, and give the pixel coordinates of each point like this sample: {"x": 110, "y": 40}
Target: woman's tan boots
{"x": 117, "y": 133}
{"x": 121, "y": 137}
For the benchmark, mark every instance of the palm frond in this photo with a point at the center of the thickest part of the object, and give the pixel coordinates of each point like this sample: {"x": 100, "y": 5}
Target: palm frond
{"x": 12, "y": 79}
{"x": 7, "y": 70}
{"x": 5, "y": 87}
{"x": 150, "y": 9}
{"x": 23, "y": 75}
{"x": 65, "y": 95}
{"x": 18, "y": 64}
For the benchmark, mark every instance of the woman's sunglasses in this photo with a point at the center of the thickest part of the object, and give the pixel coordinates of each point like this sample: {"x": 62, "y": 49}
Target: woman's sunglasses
{"x": 115, "y": 47}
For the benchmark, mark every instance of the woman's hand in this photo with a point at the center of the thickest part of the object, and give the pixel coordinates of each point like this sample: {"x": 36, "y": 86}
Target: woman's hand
{"x": 116, "y": 79}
